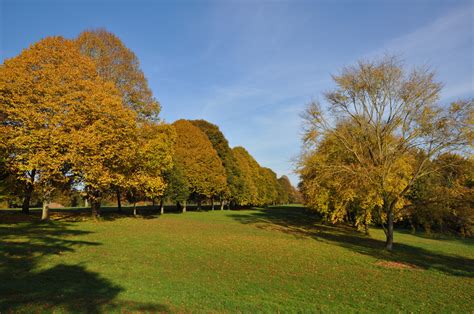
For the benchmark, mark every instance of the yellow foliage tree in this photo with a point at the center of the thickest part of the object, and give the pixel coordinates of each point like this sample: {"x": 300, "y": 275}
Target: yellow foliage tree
{"x": 56, "y": 109}
{"x": 151, "y": 157}
{"x": 199, "y": 162}
{"x": 380, "y": 117}
{"x": 250, "y": 174}
{"x": 118, "y": 64}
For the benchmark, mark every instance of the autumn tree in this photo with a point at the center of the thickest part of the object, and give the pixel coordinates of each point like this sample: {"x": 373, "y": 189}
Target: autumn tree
{"x": 270, "y": 186}
{"x": 103, "y": 144}
{"x": 285, "y": 191}
{"x": 444, "y": 200}
{"x": 118, "y": 64}
{"x": 386, "y": 114}
{"x": 49, "y": 94}
{"x": 221, "y": 145}
{"x": 177, "y": 188}
{"x": 259, "y": 184}
{"x": 338, "y": 196}
{"x": 249, "y": 169}
{"x": 149, "y": 159}
{"x": 198, "y": 161}
{"x": 3, "y": 177}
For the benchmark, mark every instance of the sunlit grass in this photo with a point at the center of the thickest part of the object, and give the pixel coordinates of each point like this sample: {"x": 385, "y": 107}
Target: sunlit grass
{"x": 278, "y": 259}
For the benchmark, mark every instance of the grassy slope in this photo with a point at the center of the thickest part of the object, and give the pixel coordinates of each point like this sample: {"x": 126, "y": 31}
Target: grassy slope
{"x": 269, "y": 260}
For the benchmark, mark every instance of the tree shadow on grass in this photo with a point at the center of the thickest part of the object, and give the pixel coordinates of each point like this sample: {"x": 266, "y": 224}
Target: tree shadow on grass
{"x": 107, "y": 213}
{"x": 26, "y": 286}
{"x": 303, "y": 224}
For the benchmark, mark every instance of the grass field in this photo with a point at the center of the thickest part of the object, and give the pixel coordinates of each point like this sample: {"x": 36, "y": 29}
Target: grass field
{"x": 277, "y": 259}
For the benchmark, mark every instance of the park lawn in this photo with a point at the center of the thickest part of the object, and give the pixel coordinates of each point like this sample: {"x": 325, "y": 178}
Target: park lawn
{"x": 276, "y": 259}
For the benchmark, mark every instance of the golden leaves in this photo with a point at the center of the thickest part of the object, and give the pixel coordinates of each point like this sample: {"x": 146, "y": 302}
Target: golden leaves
{"x": 198, "y": 160}
{"x": 118, "y": 64}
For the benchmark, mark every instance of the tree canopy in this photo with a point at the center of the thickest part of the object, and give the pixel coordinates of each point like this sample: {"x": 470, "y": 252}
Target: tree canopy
{"x": 198, "y": 161}
{"x": 118, "y": 64}
{"x": 260, "y": 184}
{"x": 249, "y": 170}
{"x": 221, "y": 145}
{"x": 382, "y": 126}
{"x": 79, "y": 120}
{"x": 57, "y": 110}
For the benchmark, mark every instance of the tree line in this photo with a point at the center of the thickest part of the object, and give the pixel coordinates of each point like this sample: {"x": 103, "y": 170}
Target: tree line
{"x": 383, "y": 150}
{"x": 78, "y": 116}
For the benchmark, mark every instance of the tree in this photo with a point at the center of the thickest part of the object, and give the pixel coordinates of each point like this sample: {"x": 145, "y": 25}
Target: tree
{"x": 384, "y": 114}
{"x": 3, "y": 177}
{"x": 338, "y": 196}
{"x": 221, "y": 145}
{"x": 48, "y": 94}
{"x": 198, "y": 161}
{"x": 285, "y": 190}
{"x": 444, "y": 200}
{"x": 270, "y": 186}
{"x": 118, "y": 64}
{"x": 177, "y": 188}
{"x": 103, "y": 145}
{"x": 249, "y": 169}
{"x": 149, "y": 160}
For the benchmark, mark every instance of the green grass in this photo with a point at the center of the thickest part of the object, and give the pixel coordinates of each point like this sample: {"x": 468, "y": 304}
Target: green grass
{"x": 278, "y": 259}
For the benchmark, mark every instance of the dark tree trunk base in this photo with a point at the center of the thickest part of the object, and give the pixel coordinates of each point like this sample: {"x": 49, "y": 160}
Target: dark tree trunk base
{"x": 95, "y": 207}
{"x": 119, "y": 201}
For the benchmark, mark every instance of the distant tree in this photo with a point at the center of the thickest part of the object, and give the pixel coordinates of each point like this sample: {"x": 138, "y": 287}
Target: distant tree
{"x": 250, "y": 176}
{"x": 198, "y": 161}
{"x": 150, "y": 158}
{"x": 444, "y": 200}
{"x": 386, "y": 114}
{"x": 270, "y": 186}
{"x": 118, "y": 64}
{"x": 177, "y": 188}
{"x": 221, "y": 145}
{"x": 286, "y": 190}
{"x": 48, "y": 95}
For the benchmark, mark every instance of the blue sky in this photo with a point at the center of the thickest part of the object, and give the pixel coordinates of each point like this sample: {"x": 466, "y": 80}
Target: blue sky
{"x": 252, "y": 66}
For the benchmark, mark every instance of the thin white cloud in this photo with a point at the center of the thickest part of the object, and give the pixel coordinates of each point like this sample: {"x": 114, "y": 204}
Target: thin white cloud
{"x": 445, "y": 33}
{"x": 441, "y": 45}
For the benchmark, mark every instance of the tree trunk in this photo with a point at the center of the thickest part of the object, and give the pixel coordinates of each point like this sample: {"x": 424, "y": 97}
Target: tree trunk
{"x": 199, "y": 204}
{"x": 45, "y": 211}
{"x": 389, "y": 234}
{"x": 412, "y": 226}
{"x": 212, "y": 203}
{"x": 184, "y": 206}
{"x": 119, "y": 200}
{"x": 222, "y": 204}
{"x": 135, "y": 209}
{"x": 162, "y": 207}
{"x": 25, "y": 207}
{"x": 95, "y": 208}
{"x": 366, "y": 223}
{"x": 86, "y": 203}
